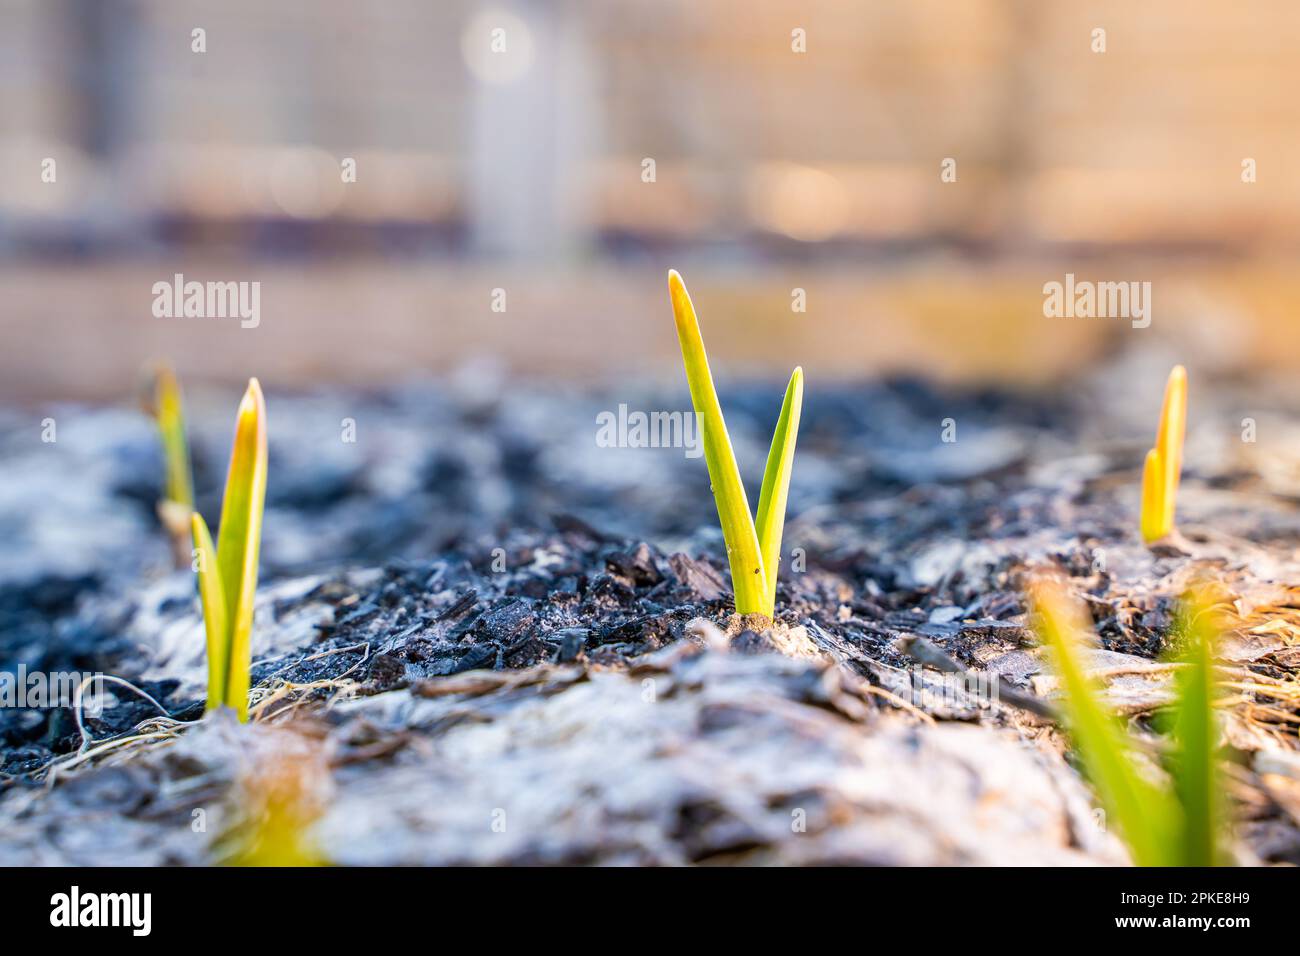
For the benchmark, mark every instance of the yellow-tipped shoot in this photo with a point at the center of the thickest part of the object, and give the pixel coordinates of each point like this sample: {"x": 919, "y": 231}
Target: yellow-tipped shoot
{"x": 228, "y": 573}
{"x": 753, "y": 546}
{"x": 1164, "y": 463}
{"x": 164, "y": 403}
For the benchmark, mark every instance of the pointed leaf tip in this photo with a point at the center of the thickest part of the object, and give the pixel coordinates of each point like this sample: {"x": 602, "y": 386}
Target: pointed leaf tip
{"x": 681, "y": 299}
{"x": 253, "y": 395}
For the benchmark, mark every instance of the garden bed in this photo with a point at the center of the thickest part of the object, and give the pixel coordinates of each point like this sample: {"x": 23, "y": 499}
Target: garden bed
{"x": 481, "y": 638}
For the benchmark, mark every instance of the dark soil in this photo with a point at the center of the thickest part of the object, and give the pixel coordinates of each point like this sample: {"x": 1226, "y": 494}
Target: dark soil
{"x": 477, "y": 529}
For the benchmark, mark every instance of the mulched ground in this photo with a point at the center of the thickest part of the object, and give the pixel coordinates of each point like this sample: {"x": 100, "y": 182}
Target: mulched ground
{"x": 482, "y": 638}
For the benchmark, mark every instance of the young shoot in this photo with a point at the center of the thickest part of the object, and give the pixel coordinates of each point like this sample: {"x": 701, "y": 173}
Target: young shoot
{"x": 1196, "y": 773}
{"x": 1178, "y": 824}
{"x": 753, "y": 544}
{"x": 281, "y": 792}
{"x": 1164, "y": 463}
{"x": 164, "y": 403}
{"x": 228, "y": 572}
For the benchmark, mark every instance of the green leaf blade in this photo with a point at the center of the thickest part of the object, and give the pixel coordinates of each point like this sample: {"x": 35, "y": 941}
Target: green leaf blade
{"x": 1195, "y": 766}
{"x": 1146, "y": 814}
{"x": 215, "y": 622}
{"x": 748, "y": 578}
{"x": 770, "y": 522}
{"x": 241, "y": 539}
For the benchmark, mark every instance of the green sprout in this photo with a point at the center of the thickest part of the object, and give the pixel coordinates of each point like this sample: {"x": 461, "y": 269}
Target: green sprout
{"x": 228, "y": 573}
{"x": 164, "y": 403}
{"x": 1197, "y": 776}
{"x": 753, "y": 546}
{"x": 1163, "y": 825}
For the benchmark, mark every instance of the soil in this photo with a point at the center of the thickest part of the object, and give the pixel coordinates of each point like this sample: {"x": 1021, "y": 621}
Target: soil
{"x": 481, "y": 638}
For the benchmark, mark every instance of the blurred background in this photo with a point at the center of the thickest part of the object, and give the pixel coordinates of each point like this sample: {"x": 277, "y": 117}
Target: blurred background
{"x": 505, "y": 146}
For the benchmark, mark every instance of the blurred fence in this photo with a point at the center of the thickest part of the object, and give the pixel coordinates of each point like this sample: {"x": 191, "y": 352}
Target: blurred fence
{"x": 917, "y": 168}
{"x": 538, "y": 148}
